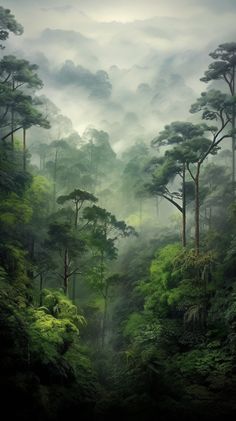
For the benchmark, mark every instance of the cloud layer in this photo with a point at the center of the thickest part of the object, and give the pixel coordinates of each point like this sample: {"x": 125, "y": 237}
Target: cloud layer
{"x": 123, "y": 67}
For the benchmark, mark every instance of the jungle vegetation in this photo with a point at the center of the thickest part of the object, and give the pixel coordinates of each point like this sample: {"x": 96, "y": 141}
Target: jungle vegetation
{"x": 106, "y": 313}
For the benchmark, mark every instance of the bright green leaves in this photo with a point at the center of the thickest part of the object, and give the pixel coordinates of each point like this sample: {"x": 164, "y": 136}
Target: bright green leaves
{"x": 164, "y": 276}
{"x": 49, "y": 336}
{"x": 39, "y": 191}
{"x": 15, "y": 210}
{"x": 60, "y": 307}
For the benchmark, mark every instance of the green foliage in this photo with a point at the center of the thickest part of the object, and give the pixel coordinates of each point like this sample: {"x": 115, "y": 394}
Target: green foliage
{"x": 164, "y": 276}
{"x": 164, "y": 314}
{"x": 60, "y": 307}
{"x": 77, "y": 196}
{"x": 15, "y": 210}
{"x": 49, "y": 336}
{"x": 8, "y": 24}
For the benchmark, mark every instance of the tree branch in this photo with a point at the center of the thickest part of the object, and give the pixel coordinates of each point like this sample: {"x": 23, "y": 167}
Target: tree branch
{"x": 190, "y": 172}
{"x": 74, "y": 271}
{"x": 172, "y": 201}
{"x": 5, "y": 113}
{"x": 11, "y": 132}
{"x": 215, "y": 142}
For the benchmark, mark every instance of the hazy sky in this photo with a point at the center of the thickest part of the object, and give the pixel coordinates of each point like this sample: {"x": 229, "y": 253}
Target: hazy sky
{"x": 127, "y": 66}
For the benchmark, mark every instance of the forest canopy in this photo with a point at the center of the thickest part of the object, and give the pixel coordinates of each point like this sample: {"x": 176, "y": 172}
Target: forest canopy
{"x": 117, "y": 269}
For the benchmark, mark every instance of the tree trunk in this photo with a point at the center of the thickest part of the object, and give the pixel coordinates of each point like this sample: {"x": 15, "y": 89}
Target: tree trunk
{"x": 12, "y": 129}
{"x": 12, "y": 119}
{"x": 210, "y": 218}
{"x": 24, "y": 149}
{"x": 31, "y": 249}
{"x": 40, "y": 290}
{"x": 184, "y": 207}
{"x": 74, "y": 288}
{"x": 66, "y": 271}
{"x": 104, "y": 320}
{"x": 55, "y": 181}
{"x": 197, "y": 211}
{"x": 105, "y": 296}
{"x": 205, "y": 282}
{"x": 233, "y": 150}
{"x": 76, "y": 213}
{"x": 233, "y": 135}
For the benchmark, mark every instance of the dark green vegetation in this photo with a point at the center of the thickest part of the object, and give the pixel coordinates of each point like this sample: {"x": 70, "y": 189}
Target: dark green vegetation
{"x": 98, "y": 319}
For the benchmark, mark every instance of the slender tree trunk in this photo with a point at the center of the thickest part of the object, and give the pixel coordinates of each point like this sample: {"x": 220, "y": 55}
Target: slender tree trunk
{"x": 24, "y": 149}
{"x": 66, "y": 271}
{"x": 105, "y": 296}
{"x": 12, "y": 118}
{"x": 205, "y": 281}
{"x": 184, "y": 207}
{"x": 233, "y": 150}
{"x": 31, "y": 249}
{"x": 233, "y": 135}
{"x": 74, "y": 288}
{"x": 76, "y": 213}
{"x": 197, "y": 211}
{"x": 210, "y": 218}
{"x": 104, "y": 320}
{"x": 40, "y": 290}
{"x": 74, "y": 275}
{"x": 55, "y": 181}
{"x": 12, "y": 129}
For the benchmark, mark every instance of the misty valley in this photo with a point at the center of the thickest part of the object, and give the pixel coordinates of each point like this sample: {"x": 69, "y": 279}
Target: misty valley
{"x": 117, "y": 245}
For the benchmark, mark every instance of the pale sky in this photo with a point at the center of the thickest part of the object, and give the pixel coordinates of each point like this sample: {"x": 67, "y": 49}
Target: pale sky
{"x": 127, "y": 66}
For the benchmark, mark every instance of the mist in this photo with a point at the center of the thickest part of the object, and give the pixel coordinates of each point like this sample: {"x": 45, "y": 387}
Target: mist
{"x": 117, "y": 209}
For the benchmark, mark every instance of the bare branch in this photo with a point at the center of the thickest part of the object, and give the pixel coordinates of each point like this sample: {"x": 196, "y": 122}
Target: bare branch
{"x": 11, "y": 132}
{"x": 190, "y": 171}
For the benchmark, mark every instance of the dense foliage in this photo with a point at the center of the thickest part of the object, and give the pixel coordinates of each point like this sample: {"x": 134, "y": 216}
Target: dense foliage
{"x": 115, "y": 301}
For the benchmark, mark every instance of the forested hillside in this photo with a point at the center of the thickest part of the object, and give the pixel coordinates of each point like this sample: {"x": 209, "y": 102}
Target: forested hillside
{"x": 117, "y": 270}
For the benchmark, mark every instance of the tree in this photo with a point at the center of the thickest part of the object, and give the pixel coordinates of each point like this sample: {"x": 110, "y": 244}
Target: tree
{"x": 19, "y": 108}
{"x": 31, "y": 117}
{"x": 223, "y": 68}
{"x": 78, "y": 198}
{"x": 163, "y": 171}
{"x": 179, "y": 135}
{"x": 135, "y": 159}
{"x": 216, "y": 194}
{"x": 214, "y": 105}
{"x": 98, "y": 155}
{"x": 106, "y": 229}
{"x": 65, "y": 242}
{"x": 58, "y": 146}
{"x": 8, "y": 24}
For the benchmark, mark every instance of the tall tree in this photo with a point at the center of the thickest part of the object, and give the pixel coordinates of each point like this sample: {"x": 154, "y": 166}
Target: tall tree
{"x": 223, "y": 68}
{"x": 217, "y": 106}
{"x": 18, "y": 80}
{"x": 8, "y": 24}
{"x": 78, "y": 198}
{"x": 63, "y": 240}
{"x": 105, "y": 230}
{"x": 177, "y": 134}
